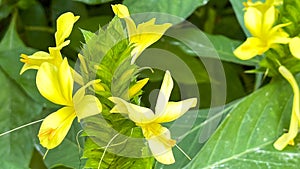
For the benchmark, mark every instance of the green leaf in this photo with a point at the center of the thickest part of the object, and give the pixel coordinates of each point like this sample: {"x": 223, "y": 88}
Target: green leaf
{"x": 191, "y": 142}
{"x": 11, "y": 38}
{"x": 16, "y": 109}
{"x": 225, "y": 47}
{"x": 238, "y": 7}
{"x": 93, "y": 2}
{"x": 179, "y": 8}
{"x": 193, "y": 41}
{"x": 245, "y": 138}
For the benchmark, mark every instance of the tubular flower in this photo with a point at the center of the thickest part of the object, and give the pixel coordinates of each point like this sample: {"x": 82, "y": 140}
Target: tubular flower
{"x": 288, "y": 138}
{"x": 259, "y": 20}
{"x": 143, "y": 35}
{"x": 65, "y": 24}
{"x": 158, "y": 137}
{"x": 56, "y": 84}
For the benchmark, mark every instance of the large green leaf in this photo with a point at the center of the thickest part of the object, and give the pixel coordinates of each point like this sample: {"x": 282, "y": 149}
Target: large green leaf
{"x": 245, "y": 138}
{"x": 11, "y": 46}
{"x": 179, "y": 8}
{"x": 16, "y": 109}
{"x": 191, "y": 142}
{"x": 193, "y": 41}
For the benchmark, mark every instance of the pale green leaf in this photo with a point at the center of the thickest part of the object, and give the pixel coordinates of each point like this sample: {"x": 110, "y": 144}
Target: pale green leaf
{"x": 178, "y": 8}
{"x": 245, "y": 138}
{"x": 16, "y": 109}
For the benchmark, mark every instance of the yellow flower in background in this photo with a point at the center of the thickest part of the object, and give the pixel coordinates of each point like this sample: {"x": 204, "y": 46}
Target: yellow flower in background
{"x": 288, "y": 138}
{"x": 143, "y": 35}
{"x": 65, "y": 23}
{"x": 294, "y": 47}
{"x": 158, "y": 137}
{"x": 264, "y": 34}
{"x": 56, "y": 84}
{"x": 262, "y": 6}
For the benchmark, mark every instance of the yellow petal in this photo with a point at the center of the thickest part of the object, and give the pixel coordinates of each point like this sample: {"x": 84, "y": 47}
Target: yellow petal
{"x": 268, "y": 19}
{"x": 164, "y": 93}
{"x": 88, "y": 106}
{"x": 253, "y": 21}
{"x": 65, "y": 23}
{"x": 55, "y": 127}
{"x": 288, "y": 138}
{"x": 136, "y": 113}
{"x": 34, "y": 61}
{"x": 56, "y": 55}
{"x": 250, "y": 48}
{"x": 294, "y": 47}
{"x": 146, "y": 34}
{"x": 292, "y": 81}
{"x": 174, "y": 110}
{"x": 161, "y": 147}
{"x": 120, "y": 10}
{"x": 55, "y": 84}
{"x": 137, "y": 87}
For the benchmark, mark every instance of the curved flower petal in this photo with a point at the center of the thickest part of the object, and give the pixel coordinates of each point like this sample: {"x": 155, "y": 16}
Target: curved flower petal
{"x": 136, "y": 113}
{"x": 137, "y": 87}
{"x": 161, "y": 146}
{"x": 253, "y": 21}
{"x": 88, "y": 106}
{"x": 268, "y": 19}
{"x": 55, "y": 127}
{"x": 55, "y": 84}
{"x": 292, "y": 81}
{"x": 65, "y": 80}
{"x": 120, "y": 10}
{"x": 65, "y": 23}
{"x": 146, "y": 34}
{"x": 294, "y": 47}
{"x": 174, "y": 110}
{"x": 164, "y": 93}
{"x": 250, "y": 48}
{"x": 288, "y": 138}
{"x": 34, "y": 61}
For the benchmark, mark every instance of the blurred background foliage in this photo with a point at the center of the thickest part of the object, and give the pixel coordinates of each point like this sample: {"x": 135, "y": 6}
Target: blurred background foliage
{"x": 29, "y": 25}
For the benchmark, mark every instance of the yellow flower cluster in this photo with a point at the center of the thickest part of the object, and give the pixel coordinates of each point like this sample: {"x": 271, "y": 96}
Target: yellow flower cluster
{"x": 260, "y": 19}
{"x": 55, "y": 80}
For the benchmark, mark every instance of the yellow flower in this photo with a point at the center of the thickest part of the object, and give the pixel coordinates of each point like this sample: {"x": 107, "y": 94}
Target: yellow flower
{"x": 143, "y": 35}
{"x": 158, "y": 137}
{"x": 56, "y": 85}
{"x": 137, "y": 87}
{"x": 260, "y": 25}
{"x": 294, "y": 47}
{"x": 262, "y": 6}
{"x": 288, "y": 138}
{"x": 65, "y": 24}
